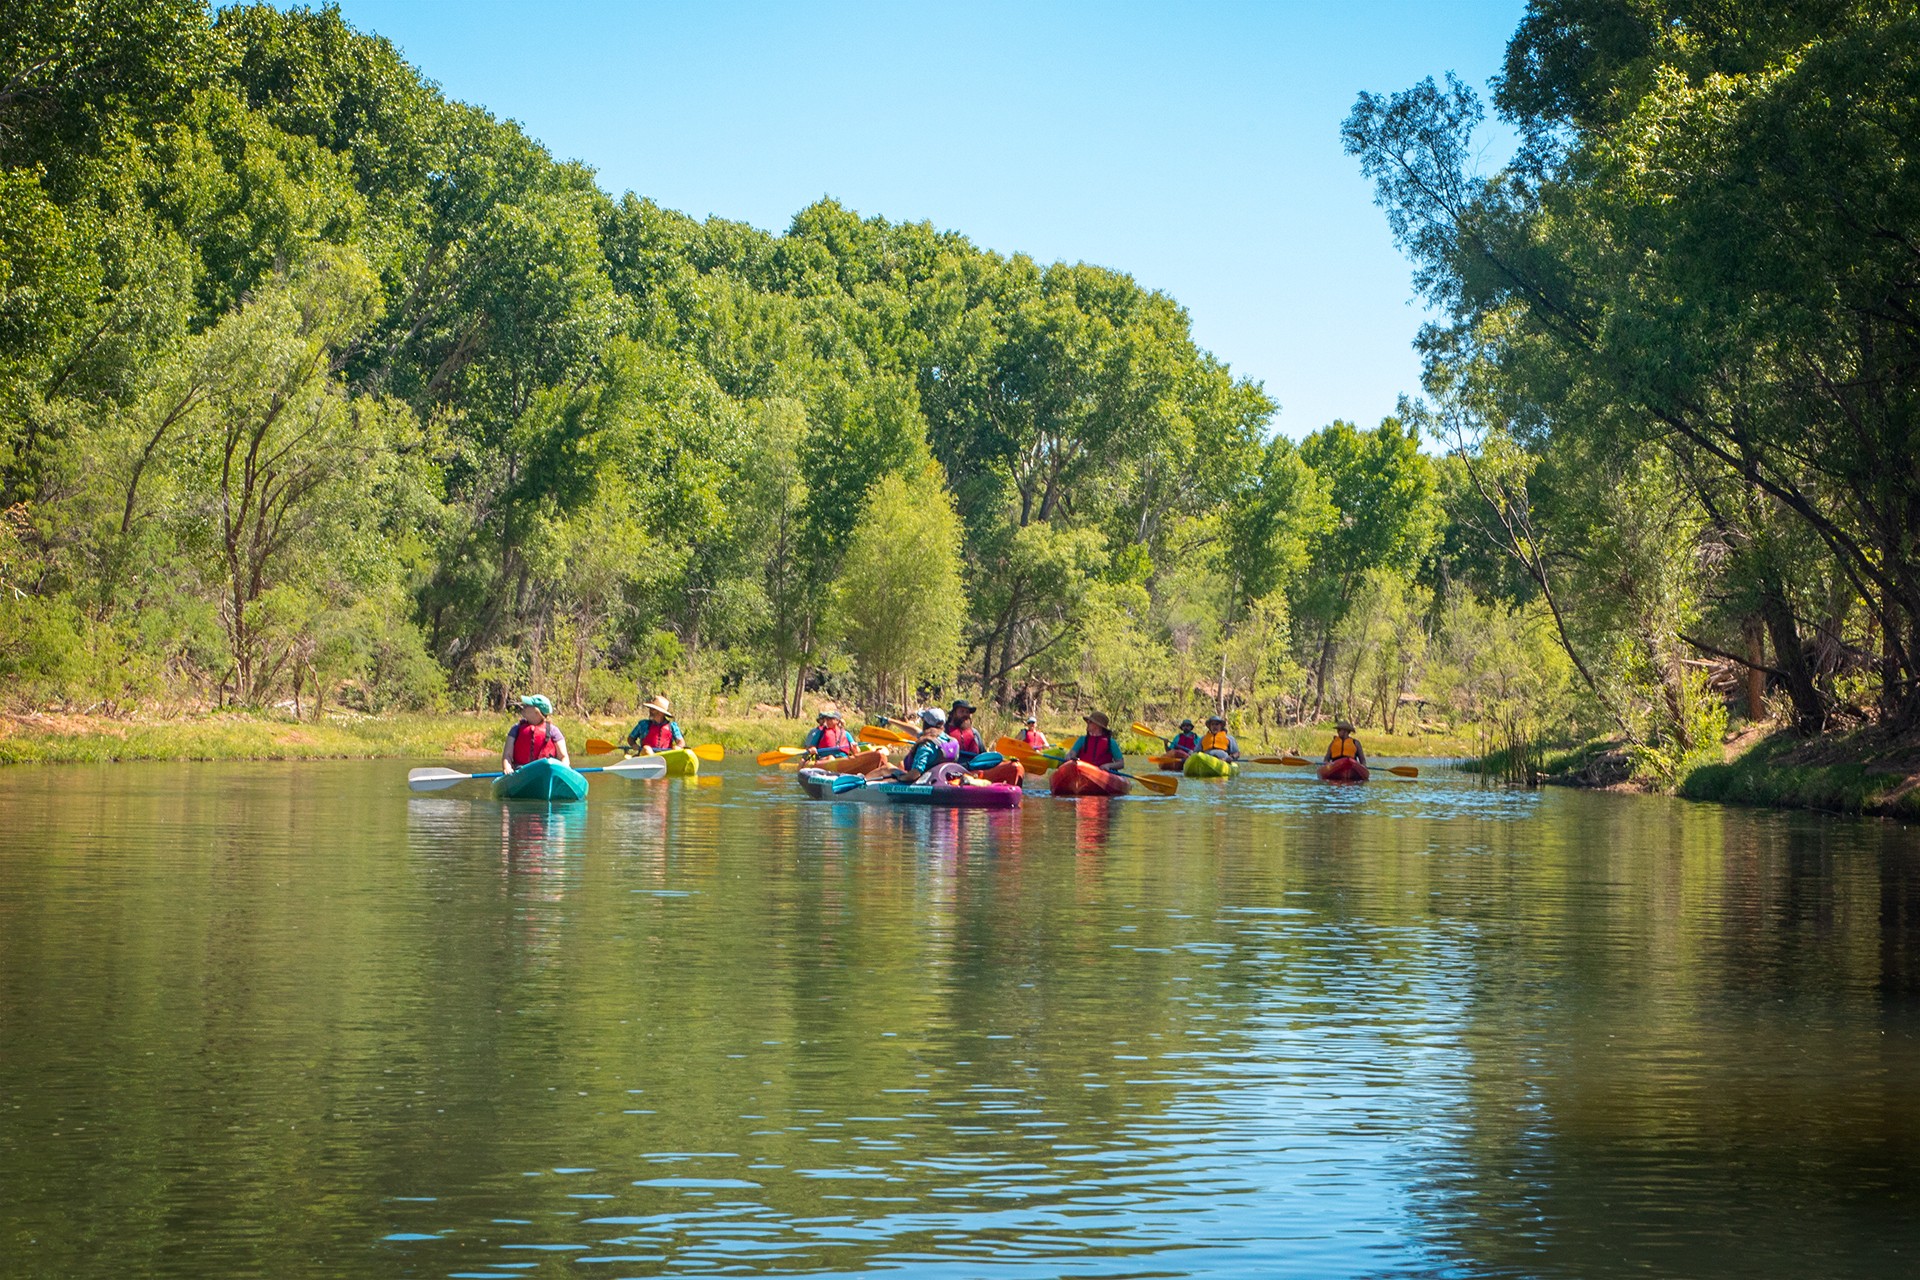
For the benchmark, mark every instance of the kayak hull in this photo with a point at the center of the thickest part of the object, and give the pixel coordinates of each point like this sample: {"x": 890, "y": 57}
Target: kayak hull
{"x": 681, "y": 763}
{"x": 1202, "y": 765}
{"x": 541, "y": 780}
{"x": 1346, "y": 769}
{"x": 1175, "y": 764}
{"x": 995, "y": 795}
{"x": 1076, "y": 779}
{"x": 824, "y": 785}
{"x": 1010, "y": 773}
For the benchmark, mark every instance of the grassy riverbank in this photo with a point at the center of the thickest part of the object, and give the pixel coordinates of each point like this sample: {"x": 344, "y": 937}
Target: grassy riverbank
{"x": 1863, "y": 772}
{"x": 56, "y": 739}
{"x": 51, "y": 739}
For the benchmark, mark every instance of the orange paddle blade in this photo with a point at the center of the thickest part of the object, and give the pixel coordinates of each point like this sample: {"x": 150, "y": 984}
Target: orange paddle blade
{"x": 1280, "y": 760}
{"x": 779, "y": 755}
{"x": 1159, "y": 786}
{"x": 1404, "y": 770}
{"x": 600, "y": 746}
{"x": 1142, "y": 729}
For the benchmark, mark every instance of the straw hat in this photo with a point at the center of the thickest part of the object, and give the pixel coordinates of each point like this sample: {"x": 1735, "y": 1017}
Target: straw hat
{"x": 658, "y": 704}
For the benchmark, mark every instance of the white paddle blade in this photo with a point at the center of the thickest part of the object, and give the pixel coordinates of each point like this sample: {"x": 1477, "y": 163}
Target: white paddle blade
{"x": 435, "y": 779}
{"x": 638, "y": 767}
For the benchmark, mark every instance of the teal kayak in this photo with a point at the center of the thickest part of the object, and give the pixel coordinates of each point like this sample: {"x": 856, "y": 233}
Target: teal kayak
{"x": 541, "y": 780}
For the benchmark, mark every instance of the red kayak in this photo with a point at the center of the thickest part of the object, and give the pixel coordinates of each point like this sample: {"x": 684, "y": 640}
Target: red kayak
{"x": 1076, "y": 779}
{"x": 1345, "y": 769}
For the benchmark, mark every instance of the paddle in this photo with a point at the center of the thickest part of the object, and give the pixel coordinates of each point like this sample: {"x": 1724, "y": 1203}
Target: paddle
{"x": 440, "y": 779}
{"x": 1166, "y": 759}
{"x": 1398, "y": 770}
{"x": 779, "y": 755}
{"x": 1137, "y": 727}
{"x": 706, "y": 751}
{"x": 877, "y": 733}
{"x": 1162, "y": 786}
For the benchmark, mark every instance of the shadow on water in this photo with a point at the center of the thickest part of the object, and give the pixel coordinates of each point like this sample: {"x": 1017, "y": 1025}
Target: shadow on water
{"x": 286, "y": 1019}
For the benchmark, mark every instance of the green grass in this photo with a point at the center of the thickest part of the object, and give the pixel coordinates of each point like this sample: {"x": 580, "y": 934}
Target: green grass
{"x": 1785, "y": 772}
{"x": 1553, "y": 761}
{"x": 75, "y": 739}
{"x": 61, "y": 739}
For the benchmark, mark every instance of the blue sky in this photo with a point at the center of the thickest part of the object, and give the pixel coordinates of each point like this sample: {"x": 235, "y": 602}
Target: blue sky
{"x": 1194, "y": 146}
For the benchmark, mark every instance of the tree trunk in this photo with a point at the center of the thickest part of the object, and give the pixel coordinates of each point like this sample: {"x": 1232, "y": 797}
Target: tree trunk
{"x": 1809, "y": 708}
{"x": 1755, "y": 631}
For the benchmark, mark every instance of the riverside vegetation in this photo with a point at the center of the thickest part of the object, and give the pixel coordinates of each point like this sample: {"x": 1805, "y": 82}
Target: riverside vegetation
{"x": 319, "y": 390}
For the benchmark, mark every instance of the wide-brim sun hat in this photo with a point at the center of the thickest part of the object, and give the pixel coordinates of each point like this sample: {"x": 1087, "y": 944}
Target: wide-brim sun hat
{"x": 1099, "y": 718}
{"x": 1216, "y": 719}
{"x": 658, "y": 704}
{"x": 539, "y": 702}
{"x": 1186, "y": 724}
{"x": 1341, "y": 726}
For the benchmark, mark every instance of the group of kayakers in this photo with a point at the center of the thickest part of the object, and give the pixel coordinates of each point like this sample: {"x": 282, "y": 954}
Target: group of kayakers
{"x": 943, "y": 737}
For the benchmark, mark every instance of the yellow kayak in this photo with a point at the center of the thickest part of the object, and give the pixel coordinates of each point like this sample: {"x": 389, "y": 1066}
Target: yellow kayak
{"x": 681, "y": 763}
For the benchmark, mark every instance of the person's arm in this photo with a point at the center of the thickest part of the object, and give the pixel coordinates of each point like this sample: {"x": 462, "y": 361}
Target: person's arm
{"x": 1359, "y": 752}
{"x": 679, "y": 739}
{"x": 560, "y": 740}
{"x": 1073, "y": 752}
{"x": 633, "y": 735}
{"x": 506, "y": 752}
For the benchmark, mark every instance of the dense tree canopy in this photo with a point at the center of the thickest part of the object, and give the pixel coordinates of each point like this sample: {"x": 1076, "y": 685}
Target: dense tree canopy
{"x": 317, "y": 387}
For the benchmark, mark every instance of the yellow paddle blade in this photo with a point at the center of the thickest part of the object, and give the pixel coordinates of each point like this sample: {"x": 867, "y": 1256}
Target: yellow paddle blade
{"x": 1159, "y": 786}
{"x": 1166, "y": 759}
{"x": 1405, "y": 770}
{"x": 710, "y": 751}
{"x": 1142, "y": 729}
{"x": 1280, "y": 760}
{"x": 600, "y": 746}
{"x": 779, "y": 755}
{"x": 880, "y": 733}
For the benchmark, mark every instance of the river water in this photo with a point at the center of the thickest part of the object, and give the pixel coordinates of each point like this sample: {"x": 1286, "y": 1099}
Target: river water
{"x": 289, "y": 1020}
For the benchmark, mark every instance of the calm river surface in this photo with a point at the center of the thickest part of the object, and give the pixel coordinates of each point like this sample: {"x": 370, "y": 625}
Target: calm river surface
{"x": 288, "y": 1020}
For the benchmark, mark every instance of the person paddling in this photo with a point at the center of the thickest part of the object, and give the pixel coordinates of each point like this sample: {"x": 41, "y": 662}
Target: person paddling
{"x": 1097, "y": 746}
{"x": 534, "y": 737}
{"x": 932, "y": 748}
{"x": 1031, "y": 735}
{"x": 828, "y": 737}
{"x": 657, "y": 732}
{"x": 1344, "y": 745}
{"x": 1218, "y": 741}
{"x": 1185, "y": 742}
{"x": 960, "y": 729}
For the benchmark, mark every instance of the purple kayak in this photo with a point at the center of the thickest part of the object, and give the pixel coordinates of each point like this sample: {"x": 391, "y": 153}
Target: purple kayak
{"x": 965, "y": 796}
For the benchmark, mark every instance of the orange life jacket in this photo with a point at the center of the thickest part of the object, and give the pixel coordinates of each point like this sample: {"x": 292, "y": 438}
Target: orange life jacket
{"x": 1343, "y": 748}
{"x": 1217, "y": 740}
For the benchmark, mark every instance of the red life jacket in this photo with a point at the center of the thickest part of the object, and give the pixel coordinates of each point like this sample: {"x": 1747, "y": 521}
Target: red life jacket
{"x": 968, "y": 741}
{"x": 834, "y": 738}
{"x": 1097, "y": 751}
{"x": 657, "y": 734}
{"x": 533, "y": 742}
{"x": 1033, "y": 738}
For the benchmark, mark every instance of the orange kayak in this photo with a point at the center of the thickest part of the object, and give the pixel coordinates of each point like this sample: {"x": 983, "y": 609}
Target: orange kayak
{"x": 1346, "y": 769}
{"x": 1076, "y": 779}
{"x": 864, "y": 762}
{"x": 1010, "y": 772}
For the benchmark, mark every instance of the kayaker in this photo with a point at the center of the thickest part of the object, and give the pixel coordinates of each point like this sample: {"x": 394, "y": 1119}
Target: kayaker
{"x": 1218, "y": 741}
{"x": 1185, "y": 742}
{"x": 657, "y": 732}
{"x": 1097, "y": 746}
{"x": 1031, "y": 735}
{"x": 1344, "y": 745}
{"x": 933, "y": 747}
{"x": 828, "y": 737}
{"x": 534, "y": 737}
{"x": 960, "y": 729}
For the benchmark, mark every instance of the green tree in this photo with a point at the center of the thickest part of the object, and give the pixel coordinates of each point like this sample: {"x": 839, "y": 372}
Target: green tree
{"x": 900, "y": 593}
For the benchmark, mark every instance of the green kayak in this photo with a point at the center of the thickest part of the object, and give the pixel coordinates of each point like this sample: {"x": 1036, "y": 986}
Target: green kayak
{"x": 681, "y": 763}
{"x": 1202, "y": 765}
{"x": 541, "y": 780}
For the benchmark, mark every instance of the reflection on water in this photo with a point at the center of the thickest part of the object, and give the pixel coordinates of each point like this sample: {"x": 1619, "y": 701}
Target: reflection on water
{"x": 275, "y": 1019}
